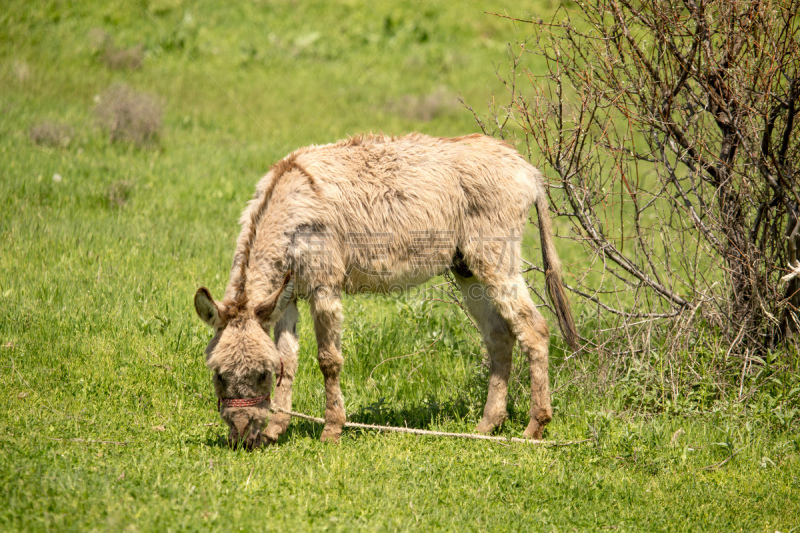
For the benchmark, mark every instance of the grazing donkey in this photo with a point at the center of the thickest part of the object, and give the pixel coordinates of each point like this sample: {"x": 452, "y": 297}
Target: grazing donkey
{"x": 377, "y": 213}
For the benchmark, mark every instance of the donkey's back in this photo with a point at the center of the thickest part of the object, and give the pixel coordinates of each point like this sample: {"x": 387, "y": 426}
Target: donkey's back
{"x": 379, "y": 213}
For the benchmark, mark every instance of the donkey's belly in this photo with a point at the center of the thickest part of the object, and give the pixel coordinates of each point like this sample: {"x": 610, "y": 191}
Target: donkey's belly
{"x": 392, "y": 262}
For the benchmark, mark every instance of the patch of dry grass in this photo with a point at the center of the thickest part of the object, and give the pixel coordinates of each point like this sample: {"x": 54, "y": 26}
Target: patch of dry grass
{"x": 123, "y": 58}
{"x": 22, "y": 71}
{"x": 424, "y": 107}
{"x": 50, "y": 133}
{"x": 119, "y": 192}
{"x": 130, "y": 116}
{"x": 112, "y": 56}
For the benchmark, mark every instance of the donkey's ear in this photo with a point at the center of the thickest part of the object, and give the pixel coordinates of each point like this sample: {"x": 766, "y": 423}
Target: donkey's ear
{"x": 207, "y": 309}
{"x": 269, "y": 311}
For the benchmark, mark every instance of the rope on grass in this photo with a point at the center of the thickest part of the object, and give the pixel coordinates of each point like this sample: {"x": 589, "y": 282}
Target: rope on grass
{"x": 429, "y": 433}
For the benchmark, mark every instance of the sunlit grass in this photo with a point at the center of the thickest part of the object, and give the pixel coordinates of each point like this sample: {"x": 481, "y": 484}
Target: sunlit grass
{"x": 108, "y": 417}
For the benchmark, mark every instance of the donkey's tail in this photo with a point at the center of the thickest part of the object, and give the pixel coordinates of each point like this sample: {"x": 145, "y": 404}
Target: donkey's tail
{"x": 552, "y": 274}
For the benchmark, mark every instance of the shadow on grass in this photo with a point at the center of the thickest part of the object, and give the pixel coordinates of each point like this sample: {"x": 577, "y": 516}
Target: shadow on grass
{"x": 420, "y": 416}
{"x": 429, "y": 415}
{"x": 211, "y": 441}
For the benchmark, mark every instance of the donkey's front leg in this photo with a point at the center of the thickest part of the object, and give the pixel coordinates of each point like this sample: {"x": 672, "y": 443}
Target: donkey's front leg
{"x": 326, "y": 308}
{"x": 288, "y": 347}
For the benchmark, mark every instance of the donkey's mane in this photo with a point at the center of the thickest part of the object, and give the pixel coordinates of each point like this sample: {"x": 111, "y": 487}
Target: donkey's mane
{"x": 240, "y": 297}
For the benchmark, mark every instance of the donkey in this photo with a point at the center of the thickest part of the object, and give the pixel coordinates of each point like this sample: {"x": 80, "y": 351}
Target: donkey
{"x": 371, "y": 214}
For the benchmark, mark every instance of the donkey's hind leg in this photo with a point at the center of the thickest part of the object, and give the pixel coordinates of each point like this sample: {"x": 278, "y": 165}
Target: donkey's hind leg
{"x": 288, "y": 347}
{"x": 326, "y": 309}
{"x": 507, "y": 289}
{"x": 499, "y": 342}
{"x": 511, "y": 298}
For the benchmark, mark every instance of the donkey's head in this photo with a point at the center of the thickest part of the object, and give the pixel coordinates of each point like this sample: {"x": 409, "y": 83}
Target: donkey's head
{"x": 244, "y": 359}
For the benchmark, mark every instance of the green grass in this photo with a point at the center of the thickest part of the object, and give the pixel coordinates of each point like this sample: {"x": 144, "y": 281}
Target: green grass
{"x": 99, "y": 340}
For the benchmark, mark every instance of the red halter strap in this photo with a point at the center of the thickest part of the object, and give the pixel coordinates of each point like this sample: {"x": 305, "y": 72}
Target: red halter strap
{"x": 247, "y": 402}
{"x": 280, "y": 378}
{"x": 241, "y": 402}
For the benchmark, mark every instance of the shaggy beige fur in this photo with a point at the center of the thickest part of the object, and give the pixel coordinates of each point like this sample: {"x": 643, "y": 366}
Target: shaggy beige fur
{"x": 380, "y": 214}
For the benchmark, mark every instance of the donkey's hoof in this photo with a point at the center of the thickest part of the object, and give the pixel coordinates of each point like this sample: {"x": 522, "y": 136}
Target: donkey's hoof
{"x": 490, "y": 423}
{"x": 487, "y": 425}
{"x": 331, "y": 434}
{"x": 484, "y": 428}
{"x": 271, "y": 434}
{"x": 534, "y": 430}
{"x": 266, "y": 440}
{"x": 277, "y": 426}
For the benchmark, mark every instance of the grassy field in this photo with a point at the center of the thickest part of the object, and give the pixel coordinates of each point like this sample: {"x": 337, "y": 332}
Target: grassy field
{"x": 108, "y": 226}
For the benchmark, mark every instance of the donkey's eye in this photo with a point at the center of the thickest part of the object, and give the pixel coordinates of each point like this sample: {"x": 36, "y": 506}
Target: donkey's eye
{"x": 219, "y": 379}
{"x": 262, "y": 377}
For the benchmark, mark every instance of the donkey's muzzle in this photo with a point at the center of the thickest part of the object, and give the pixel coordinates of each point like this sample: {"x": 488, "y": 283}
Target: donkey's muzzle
{"x": 244, "y": 417}
{"x": 245, "y": 434}
{"x": 253, "y": 440}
